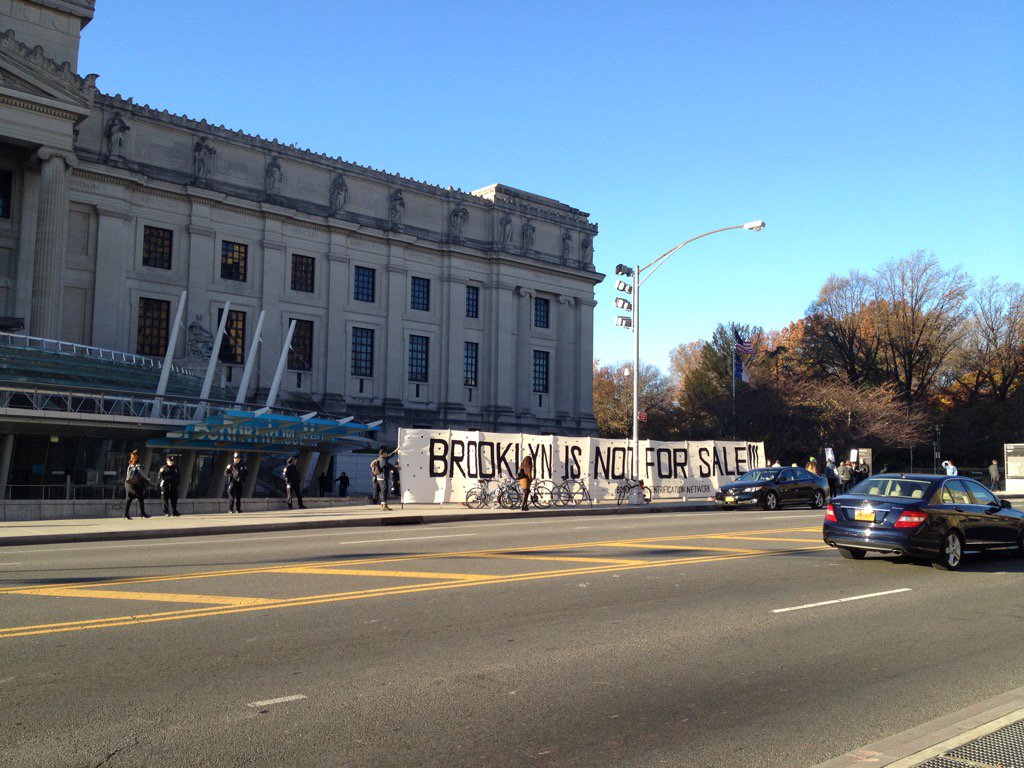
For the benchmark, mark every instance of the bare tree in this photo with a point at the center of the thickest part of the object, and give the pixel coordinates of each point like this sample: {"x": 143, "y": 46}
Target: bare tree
{"x": 991, "y": 361}
{"x": 921, "y": 313}
{"x": 841, "y": 336}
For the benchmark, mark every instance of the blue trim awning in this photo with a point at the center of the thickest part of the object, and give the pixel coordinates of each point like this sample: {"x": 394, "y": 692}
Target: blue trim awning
{"x": 265, "y": 432}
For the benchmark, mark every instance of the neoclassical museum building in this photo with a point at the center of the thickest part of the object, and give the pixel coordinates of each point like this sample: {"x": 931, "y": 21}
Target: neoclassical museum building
{"x": 409, "y": 303}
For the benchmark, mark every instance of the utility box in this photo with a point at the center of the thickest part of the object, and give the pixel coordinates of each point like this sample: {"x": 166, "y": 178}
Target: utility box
{"x": 1013, "y": 467}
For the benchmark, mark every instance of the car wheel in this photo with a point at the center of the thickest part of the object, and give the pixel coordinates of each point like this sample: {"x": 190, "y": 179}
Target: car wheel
{"x": 819, "y": 500}
{"x": 851, "y": 554}
{"x": 951, "y": 552}
{"x": 771, "y": 501}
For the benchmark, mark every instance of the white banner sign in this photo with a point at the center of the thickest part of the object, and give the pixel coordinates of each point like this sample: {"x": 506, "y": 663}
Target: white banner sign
{"x": 440, "y": 466}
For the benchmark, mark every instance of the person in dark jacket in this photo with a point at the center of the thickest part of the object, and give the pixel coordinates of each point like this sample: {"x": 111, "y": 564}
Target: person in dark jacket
{"x": 343, "y": 484}
{"x": 293, "y": 483}
{"x": 169, "y": 478}
{"x": 236, "y": 472}
{"x": 135, "y": 486}
{"x": 381, "y": 470}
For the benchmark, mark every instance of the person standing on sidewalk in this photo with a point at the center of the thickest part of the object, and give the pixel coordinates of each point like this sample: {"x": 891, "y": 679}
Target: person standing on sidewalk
{"x": 525, "y": 478}
{"x": 381, "y": 468}
{"x": 236, "y": 472}
{"x": 293, "y": 483}
{"x": 169, "y": 478}
{"x": 135, "y": 486}
{"x": 951, "y": 470}
{"x": 342, "y": 482}
{"x": 993, "y": 473}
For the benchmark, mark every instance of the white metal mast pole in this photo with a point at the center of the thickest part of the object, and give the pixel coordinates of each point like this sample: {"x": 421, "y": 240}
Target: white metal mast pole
{"x": 272, "y": 396}
{"x": 250, "y": 362}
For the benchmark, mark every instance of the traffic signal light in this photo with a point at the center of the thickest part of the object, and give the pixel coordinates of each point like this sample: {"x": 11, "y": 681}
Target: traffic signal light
{"x": 622, "y": 269}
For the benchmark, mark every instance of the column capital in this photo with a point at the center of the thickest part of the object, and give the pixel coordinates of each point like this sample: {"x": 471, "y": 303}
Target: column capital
{"x": 526, "y": 292}
{"x": 563, "y": 299}
{"x": 45, "y": 154}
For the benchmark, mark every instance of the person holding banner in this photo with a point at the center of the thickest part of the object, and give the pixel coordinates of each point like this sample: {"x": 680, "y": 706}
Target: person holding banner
{"x": 525, "y": 478}
{"x": 381, "y": 470}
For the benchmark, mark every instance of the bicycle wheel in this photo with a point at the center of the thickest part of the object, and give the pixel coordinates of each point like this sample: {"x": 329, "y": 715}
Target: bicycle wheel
{"x": 475, "y": 498}
{"x": 561, "y": 495}
{"x": 647, "y": 495}
{"x": 578, "y": 493}
{"x": 542, "y": 494}
{"x": 621, "y": 494}
{"x": 510, "y": 497}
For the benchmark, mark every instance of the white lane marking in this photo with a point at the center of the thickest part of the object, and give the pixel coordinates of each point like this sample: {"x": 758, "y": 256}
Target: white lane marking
{"x": 282, "y": 700}
{"x": 842, "y": 600}
{"x": 190, "y": 541}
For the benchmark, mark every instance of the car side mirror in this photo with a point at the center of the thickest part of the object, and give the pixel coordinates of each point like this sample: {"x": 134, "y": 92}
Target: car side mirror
{"x": 1004, "y": 504}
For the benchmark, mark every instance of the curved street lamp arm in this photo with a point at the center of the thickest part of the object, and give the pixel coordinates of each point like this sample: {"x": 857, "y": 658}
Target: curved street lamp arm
{"x": 661, "y": 259}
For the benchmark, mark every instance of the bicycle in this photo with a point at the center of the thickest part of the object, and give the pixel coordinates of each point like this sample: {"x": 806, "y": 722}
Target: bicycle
{"x": 483, "y": 496}
{"x": 573, "y": 492}
{"x": 624, "y": 491}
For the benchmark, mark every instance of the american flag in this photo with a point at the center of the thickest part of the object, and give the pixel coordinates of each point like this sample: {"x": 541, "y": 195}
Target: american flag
{"x": 743, "y": 347}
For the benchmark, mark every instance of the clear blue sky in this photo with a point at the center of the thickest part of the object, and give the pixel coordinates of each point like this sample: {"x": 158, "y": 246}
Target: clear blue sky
{"x": 858, "y": 130}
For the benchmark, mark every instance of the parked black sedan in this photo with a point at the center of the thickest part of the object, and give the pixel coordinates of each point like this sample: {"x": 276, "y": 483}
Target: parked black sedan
{"x": 933, "y": 517}
{"x": 772, "y": 487}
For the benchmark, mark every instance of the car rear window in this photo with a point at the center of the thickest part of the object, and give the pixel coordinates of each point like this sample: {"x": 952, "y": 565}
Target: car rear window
{"x": 896, "y": 487}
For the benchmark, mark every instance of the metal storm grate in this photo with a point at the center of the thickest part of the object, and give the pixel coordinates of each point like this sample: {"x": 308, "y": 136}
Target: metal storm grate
{"x": 1000, "y": 749}
{"x": 1003, "y": 748}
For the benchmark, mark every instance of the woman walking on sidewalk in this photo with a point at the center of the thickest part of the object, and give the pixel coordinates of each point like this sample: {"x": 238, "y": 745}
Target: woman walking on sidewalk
{"x": 135, "y": 485}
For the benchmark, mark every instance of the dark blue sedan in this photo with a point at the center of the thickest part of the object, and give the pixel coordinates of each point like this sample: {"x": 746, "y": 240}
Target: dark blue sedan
{"x": 932, "y": 517}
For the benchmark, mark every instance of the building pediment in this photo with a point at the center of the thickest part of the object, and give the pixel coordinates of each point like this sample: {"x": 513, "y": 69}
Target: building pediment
{"x": 29, "y": 72}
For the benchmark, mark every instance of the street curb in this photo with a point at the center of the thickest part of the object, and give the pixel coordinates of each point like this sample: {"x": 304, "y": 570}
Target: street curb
{"x": 369, "y": 521}
{"x": 923, "y": 742}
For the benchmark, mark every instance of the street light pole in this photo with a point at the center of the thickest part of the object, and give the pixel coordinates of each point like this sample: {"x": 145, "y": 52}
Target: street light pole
{"x": 634, "y": 323}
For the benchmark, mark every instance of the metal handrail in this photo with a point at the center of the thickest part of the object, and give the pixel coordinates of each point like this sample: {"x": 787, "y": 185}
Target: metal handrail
{"x": 119, "y": 403}
{"x": 20, "y": 341}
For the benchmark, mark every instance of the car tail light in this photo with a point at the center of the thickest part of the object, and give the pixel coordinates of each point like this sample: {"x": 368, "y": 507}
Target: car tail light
{"x": 830, "y": 514}
{"x": 911, "y": 518}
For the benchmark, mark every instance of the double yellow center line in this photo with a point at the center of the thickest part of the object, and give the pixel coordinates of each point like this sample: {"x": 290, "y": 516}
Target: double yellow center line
{"x": 220, "y": 605}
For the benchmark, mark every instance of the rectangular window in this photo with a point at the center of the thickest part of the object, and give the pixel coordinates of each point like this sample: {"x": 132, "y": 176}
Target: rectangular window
{"x": 6, "y": 190}
{"x": 472, "y": 301}
{"x": 234, "y": 259}
{"x": 232, "y": 346}
{"x": 364, "y": 284}
{"x": 156, "y": 247}
{"x": 472, "y": 357}
{"x": 362, "y": 352}
{"x": 540, "y": 371}
{"x": 421, "y": 294}
{"x": 541, "y": 313}
{"x": 154, "y": 323}
{"x": 419, "y": 358}
{"x": 300, "y": 354}
{"x": 303, "y": 273}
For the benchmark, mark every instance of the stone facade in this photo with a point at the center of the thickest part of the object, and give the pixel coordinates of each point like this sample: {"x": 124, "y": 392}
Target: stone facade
{"x": 89, "y": 173}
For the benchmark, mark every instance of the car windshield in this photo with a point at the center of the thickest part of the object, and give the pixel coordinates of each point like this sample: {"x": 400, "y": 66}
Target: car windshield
{"x": 757, "y": 476}
{"x": 892, "y": 486}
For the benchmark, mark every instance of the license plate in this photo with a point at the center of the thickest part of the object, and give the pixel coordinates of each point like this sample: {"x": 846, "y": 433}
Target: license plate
{"x": 730, "y": 498}
{"x": 864, "y": 514}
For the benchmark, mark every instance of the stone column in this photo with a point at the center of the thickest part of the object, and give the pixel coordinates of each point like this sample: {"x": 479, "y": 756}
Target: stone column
{"x": 498, "y": 356}
{"x": 452, "y": 352}
{"x": 51, "y": 242}
{"x": 585, "y": 365}
{"x": 323, "y": 461}
{"x": 305, "y": 460}
{"x": 6, "y": 452}
{"x": 186, "y": 467}
{"x": 567, "y": 361}
{"x": 524, "y": 353}
{"x": 215, "y": 488}
{"x": 252, "y": 465}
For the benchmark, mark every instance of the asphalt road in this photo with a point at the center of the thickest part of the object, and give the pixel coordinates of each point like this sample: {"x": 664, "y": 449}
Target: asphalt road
{"x": 642, "y": 640}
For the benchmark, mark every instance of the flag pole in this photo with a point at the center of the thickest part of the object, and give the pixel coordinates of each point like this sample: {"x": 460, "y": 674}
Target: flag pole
{"x": 733, "y": 348}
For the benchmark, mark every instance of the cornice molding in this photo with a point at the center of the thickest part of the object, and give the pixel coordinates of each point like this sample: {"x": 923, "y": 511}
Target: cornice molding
{"x": 84, "y": 88}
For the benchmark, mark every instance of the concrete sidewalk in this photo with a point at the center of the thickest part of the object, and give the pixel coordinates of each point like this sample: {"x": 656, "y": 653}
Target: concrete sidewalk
{"x": 322, "y": 515}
